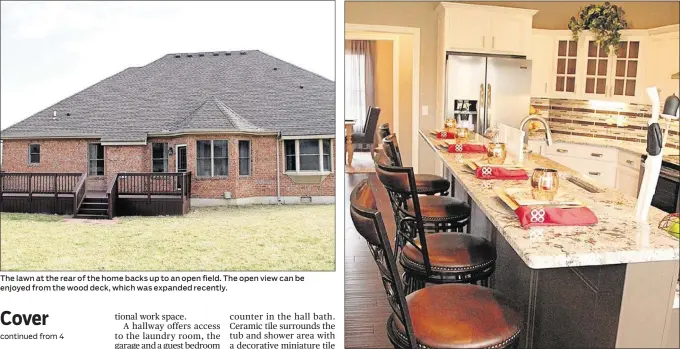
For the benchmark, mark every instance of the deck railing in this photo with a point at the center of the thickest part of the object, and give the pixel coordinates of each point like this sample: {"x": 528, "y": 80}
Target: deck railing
{"x": 79, "y": 193}
{"x": 149, "y": 184}
{"x": 112, "y": 196}
{"x": 39, "y": 183}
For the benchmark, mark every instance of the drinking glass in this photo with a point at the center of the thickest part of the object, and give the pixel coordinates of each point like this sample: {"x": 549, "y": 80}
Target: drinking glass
{"x": 544, "y": 184}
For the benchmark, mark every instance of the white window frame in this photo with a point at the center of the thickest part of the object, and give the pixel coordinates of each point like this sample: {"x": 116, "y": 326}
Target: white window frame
{"x": 250, "y": 157}
{"x": 297, "y": 157}
{"x": 212, "y": 158}
{"x": 186, "y": 149}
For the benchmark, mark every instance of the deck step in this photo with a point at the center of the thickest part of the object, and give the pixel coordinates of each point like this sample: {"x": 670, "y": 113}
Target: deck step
{"x": 93, "y": 208}
{"x": 90, "y": 216}
{"x": 97, "y": 211}
{"x": 86, "y": 204}
{"x": 91, "y": 199}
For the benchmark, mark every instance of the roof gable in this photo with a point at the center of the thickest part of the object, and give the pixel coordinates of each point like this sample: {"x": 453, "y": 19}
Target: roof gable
{"x": 242, "y": 90}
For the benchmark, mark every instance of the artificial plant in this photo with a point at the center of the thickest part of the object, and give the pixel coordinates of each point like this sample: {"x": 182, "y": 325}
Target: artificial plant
{"x": 605, "y": 21}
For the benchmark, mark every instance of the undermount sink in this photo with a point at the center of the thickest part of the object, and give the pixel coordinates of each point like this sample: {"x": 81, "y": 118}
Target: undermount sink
{"x": 585, "y": 185}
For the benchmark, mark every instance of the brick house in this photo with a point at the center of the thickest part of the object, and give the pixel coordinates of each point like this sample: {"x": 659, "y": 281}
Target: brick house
{"x": 249, "y": 127}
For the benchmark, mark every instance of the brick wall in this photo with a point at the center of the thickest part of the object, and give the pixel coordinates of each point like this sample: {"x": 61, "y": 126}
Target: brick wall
{"x": 71, "y": 156}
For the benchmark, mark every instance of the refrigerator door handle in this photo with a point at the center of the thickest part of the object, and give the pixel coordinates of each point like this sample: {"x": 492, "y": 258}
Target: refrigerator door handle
{"x": 481, "y": 98}
{"x": 488, "y": 96}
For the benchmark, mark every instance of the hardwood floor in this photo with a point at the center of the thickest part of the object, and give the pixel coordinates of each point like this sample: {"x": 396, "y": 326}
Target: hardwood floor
{"x": 366, "y": 306}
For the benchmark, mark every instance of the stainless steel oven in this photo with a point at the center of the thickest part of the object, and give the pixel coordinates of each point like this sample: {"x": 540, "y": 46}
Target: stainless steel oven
{"x": 667, "y": 194}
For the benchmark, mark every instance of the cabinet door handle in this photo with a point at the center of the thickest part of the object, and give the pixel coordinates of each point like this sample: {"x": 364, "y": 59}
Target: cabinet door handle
{"x": 594, "y": 173}
{"x": 630, "y": 162}
{"x": 597, "y": 155}
{"x": 483, "y": 41}
{"x": 562, "y": 151}
{"x": 546, "y": 87}
{"x": 493, "y": 42}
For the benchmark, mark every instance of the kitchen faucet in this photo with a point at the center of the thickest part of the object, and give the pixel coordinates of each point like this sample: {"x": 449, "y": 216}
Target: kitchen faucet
{"x": 526, "y": 120}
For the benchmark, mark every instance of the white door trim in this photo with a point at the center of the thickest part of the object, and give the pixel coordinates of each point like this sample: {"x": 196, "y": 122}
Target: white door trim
{"x": 177, "y": 156}
{"x": 383, "y": 32}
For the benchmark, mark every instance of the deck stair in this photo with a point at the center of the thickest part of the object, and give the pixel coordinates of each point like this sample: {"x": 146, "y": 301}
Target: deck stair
{"x": 93, "y": 207}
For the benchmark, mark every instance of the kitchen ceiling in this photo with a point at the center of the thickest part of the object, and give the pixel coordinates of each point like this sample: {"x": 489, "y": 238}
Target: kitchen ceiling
{"x": 556, "y": 15}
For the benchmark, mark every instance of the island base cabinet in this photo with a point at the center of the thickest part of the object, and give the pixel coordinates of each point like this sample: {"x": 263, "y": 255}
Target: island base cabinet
{"x": 608, "y": 306}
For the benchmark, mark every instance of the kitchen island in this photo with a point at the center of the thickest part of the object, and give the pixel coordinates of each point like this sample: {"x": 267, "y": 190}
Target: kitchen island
{"x": 609, "y": 285}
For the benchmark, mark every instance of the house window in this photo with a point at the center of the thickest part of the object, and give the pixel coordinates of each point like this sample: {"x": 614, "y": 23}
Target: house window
{"x": 291, "y": 155}
{"x": 220, "y": 158}
{"x": 95, "y": 155}
{"x": 308, "y": 155}
{"x": 212, "y": 158}
{"x": 34, "y": 153}
{"x": 244, "y": 158}
{"x": 159, "y": 157}
{"x": 326, "y": 154}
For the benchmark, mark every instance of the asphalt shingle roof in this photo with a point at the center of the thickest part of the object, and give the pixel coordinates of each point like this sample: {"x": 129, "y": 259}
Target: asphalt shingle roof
{"x": 232, "y": 91}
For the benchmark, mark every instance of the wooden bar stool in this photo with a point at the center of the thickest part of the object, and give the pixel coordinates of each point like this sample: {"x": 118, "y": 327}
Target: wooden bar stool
{"x": 450, "y": 257}
{"x": 439, "y": 316}
{"x": 427, "y": 184}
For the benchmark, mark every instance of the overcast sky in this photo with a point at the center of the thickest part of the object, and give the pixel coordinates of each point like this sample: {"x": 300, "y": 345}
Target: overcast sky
{"x": 51, "y": 50}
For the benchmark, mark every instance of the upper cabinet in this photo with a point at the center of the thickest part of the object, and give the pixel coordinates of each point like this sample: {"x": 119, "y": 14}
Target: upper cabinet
{"x": 541, "y": 57}
{"x": 582, "y": 69}
{"x": 663, "y": 50}
{"x": 565, "y": 63}
{"x": 613, "y": 76}
{"x": 486, "y": 29}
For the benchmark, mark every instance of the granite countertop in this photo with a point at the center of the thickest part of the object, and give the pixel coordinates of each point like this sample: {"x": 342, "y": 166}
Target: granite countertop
{"x": 631, "y": 147}
{"x": 616, "y": 239}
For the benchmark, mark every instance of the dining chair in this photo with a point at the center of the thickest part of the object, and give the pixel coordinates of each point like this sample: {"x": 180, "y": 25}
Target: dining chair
{"x": 439, "y": 316}
{"x": 444, "y": 257}
{"x": 426, "y": 184}
{"x": 367, "y": 134}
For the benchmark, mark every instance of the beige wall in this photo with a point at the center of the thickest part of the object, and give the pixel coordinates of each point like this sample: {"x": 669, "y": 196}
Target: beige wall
{"x": 405, "y": 132}
{"x": 556, "y": 14}
{"x": 384, "y": 65}
{"x": 420, "y": 15}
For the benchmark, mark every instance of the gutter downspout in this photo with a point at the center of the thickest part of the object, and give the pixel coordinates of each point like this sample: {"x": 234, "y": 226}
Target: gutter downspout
{"x": 278, "y": 170}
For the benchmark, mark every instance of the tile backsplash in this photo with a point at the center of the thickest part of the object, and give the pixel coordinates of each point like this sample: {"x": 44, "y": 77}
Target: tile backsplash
{"x": 621, "y": 121}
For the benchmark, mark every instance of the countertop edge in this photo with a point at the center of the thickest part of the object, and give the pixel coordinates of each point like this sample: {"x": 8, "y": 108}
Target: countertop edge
{"x": 569, "y": 260}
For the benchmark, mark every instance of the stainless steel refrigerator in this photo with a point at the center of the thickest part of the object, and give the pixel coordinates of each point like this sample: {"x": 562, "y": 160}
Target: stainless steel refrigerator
{"x": 487, "y": 89}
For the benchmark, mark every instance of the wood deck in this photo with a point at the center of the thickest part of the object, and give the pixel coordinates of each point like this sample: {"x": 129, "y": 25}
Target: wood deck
{"x": 366, "y": 306}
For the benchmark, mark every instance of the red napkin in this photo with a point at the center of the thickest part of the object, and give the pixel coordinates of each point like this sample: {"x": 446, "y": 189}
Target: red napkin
{"x": 493, "y": 172}
{"x": 446, "y": 135}
{"x": 467, "y": 148}
{"x": 532, "y": 216}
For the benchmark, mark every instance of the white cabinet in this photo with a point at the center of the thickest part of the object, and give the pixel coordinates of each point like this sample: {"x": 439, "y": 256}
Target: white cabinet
{"x": 663, "y": 50}
{"x": 486, "y": 29}
{"x": 541, "y": 57}
{"x": 510, "y": 32}
{"x": 614, "y": 76}
{"x": 566, "y": 65}
{"x": 582, "y": 69}
{"x": 628, "y": 173}
{"x": 596, "y": 163}
{"x": 627, "y": 180}
{"x": 467, "y": 31}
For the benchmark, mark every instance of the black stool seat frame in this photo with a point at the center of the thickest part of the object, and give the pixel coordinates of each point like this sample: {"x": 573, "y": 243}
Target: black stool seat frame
{"x": 399, "y": 183}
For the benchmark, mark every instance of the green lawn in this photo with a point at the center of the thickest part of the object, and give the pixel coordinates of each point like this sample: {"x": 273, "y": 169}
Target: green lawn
{"x": 294, "y": 237}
